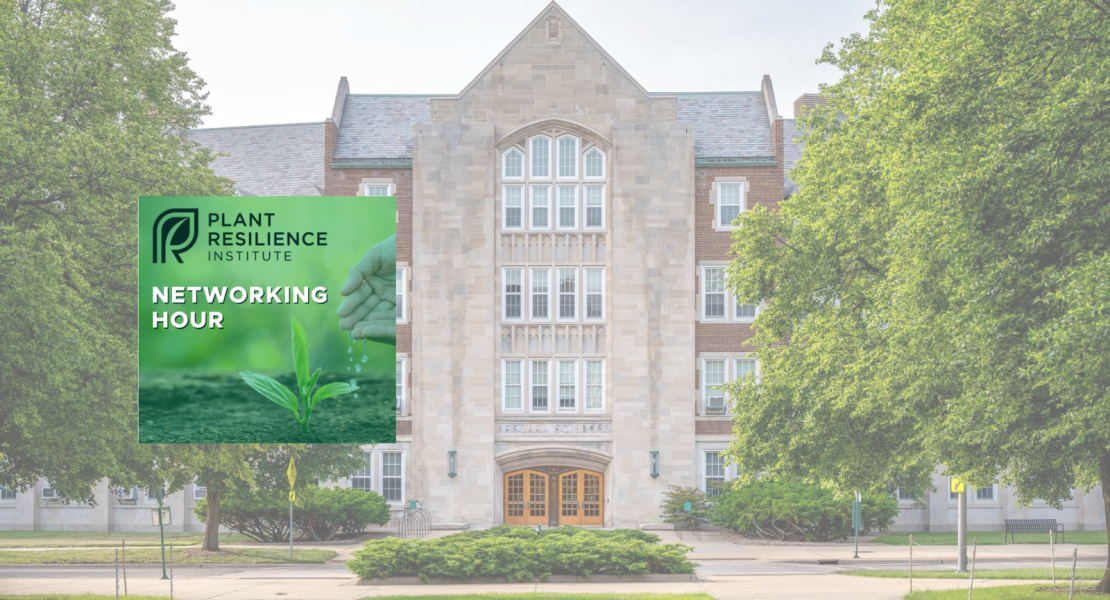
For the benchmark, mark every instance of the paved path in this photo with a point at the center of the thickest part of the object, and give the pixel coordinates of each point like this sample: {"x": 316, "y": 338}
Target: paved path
{"x": 728, "y": 572}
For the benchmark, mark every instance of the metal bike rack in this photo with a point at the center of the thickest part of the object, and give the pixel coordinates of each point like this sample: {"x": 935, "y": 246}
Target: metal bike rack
{"x": 415, "y": 522}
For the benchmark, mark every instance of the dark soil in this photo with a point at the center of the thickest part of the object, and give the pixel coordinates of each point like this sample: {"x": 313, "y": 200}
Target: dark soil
{"x": 199, "y": 408}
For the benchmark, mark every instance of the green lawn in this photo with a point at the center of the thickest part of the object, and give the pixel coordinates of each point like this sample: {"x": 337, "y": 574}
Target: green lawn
{"x": 1062, "y": 573}
{"x": 232, "y": 556}
{"x": 1008, "y": 592}
{"x": 988, "y": 538}
{"x": 96, "y": 539}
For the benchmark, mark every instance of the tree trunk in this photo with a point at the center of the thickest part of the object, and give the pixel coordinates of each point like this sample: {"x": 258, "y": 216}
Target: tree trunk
{"x": 1104, "y": 472}
{"x": 212, "y": 522}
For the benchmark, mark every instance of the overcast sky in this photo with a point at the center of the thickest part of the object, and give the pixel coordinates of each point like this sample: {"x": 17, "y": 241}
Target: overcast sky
{"x": 278, "y": 61}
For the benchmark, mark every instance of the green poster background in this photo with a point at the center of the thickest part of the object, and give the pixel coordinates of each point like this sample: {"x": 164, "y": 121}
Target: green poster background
{"x": 189, "y": 387}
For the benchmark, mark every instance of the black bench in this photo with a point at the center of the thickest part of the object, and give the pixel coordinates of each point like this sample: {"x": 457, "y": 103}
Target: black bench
{"x": 1016, "y": 526}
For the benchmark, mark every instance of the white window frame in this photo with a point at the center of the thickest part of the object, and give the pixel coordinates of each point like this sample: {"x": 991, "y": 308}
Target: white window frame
{"x": 532, "y": 280}
{"x": 736, "y": 371}
{"x": 705, "y": 392}
{"x": 402, "y": 381}
{"x": 382, "y": 477}
{"x": 705, "y": 294}
{"x": 505, "y": 293}
{"x": 994, "y": 494}
{"x": 559, "y": 362}
{"x": 559, "y": 207}
{"x": 524, "y": 165}
{"x": 532, "y": 157}
{"x": 366, "y": 185}
{"x": 367, "y": 478}
{"x": 586, "y": 385}
{"x": 586, "y": 294}
{"x": 532, "y": 208}
{"x": 505, "y": 207}
{"x": 705, "y": 477}
{"x": 558, "y": 156}
{"x": 532, "y": 385}
{"x": 127, "y": 494}
{"x": 586, "y": 207}
{"x": 522, "y": 397}
{"x": 899, "y": 498}
{"x": 8, "y": 494}
{"x": 585, "y": 172}
{"x": 736, "y": 307}
{"x": 152, "y": 495}
{"x": 200, "y": 491}
{"x": 402, "y": 294}
{"x": 559, "y": 295}
{"x": 718, "y": 218}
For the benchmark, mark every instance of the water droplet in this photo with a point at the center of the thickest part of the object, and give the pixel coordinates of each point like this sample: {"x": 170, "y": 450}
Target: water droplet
{"x": 353, "y": 382}
{"x": 364, "y": 359}
{"x": 350, "y": 349}
{"x": 355, "y": 395}
{"x": 351, "y": 359}
{"x": 358, "y": 367}
{"x": 348, "y": 368}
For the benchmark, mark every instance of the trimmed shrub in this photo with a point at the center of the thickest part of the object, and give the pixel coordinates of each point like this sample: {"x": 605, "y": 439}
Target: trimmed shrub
{"x": 674, "y": 507}
{"x": 784, "y": 510}
{"x": 328, "y": 512}
{"x": 519, "y": 553}
{"x": 319, "y": 514}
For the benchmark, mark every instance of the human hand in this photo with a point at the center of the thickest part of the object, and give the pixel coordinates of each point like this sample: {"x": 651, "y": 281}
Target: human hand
{"x": 369, "y": 310}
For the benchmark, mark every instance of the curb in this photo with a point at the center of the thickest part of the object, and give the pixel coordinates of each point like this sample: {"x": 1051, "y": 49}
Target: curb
{"x": 656, "y": 578}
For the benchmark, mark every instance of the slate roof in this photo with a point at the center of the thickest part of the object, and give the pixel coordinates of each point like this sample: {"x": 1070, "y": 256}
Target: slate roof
{"x": 791, "y": 152}
{"x": 268, "y": 160}
{"x": 727, "y": 124}
{"x": 380, "y": 126}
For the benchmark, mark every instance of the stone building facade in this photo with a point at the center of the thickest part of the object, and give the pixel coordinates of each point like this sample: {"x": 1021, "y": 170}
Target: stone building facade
{"x": 562, "y": 314}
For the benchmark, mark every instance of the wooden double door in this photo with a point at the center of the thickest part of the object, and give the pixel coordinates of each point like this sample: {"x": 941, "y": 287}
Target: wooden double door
{"x": 557, "y": 497}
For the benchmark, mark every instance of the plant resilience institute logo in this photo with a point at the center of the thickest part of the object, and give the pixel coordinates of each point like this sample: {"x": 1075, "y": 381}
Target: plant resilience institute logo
{"x": 175, "y": 230}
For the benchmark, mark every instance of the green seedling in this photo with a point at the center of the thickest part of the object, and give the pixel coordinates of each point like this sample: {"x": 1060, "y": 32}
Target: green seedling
{"x": 274, "y": 390}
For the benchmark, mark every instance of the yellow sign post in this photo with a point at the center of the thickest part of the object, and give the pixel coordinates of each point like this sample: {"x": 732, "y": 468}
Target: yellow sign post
{"x": 291, "y": 472}
{"x": 957, "y": 485}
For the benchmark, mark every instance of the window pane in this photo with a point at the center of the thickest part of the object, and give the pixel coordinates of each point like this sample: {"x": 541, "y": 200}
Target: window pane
{"x": 745, "y": 311}
{"x": 594, "y": 391}
{"x": 400, "y": 382}
{"x": 391, "y": 476}
{"x": 541, "y": 157}
{"x": 512, "y": 384}
{"x": 513, "y": 206}
{"x": 595, "y": 283}
{"x": 714, "y": 375}
{"x": 593, "y": 164}
{"x": 540, "y": 205}
{"x": 377, "y": 190}
{"x": 514, "y": 164}
{"x": 731, "y": 194}
{"x": 6, "y": 493}
{"x": 714, "y": 473}
{"x": 540, "y": 292}
{"x": 568, "y": 157}
{"x": 714, "y": 289}
{"x": 594, "y": 196}
{"x": 400, "y": 299}
{"x": 567, "y": 293}
{"x": 539, "y": 385}
{"x": 566, "y": 384}
{"x": 514, "y": 290}
{"x": 729, "y": 214}
{"x": 744, "y": 367}
{"x": 904, "y": 494}
{"x": 986, "y": 493}
{"x": 568, "y": 206}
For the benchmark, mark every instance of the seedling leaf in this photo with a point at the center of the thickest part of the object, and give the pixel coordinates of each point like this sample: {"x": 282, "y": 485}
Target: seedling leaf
{"x": 300, "y": 353}
{"x": 333, "y": 389}
{"x": 272, "y": 389}
{"x": 307, "y": 391}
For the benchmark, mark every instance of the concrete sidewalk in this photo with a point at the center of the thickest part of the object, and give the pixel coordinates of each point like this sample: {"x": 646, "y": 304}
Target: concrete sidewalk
{"x": 293, "y": 584}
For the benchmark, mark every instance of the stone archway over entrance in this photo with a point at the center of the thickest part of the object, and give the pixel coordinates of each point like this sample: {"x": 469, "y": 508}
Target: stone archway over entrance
{"x": 554, "y": 485}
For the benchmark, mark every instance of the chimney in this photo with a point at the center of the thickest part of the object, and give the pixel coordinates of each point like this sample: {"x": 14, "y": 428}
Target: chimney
{"x": 806, "y": 102}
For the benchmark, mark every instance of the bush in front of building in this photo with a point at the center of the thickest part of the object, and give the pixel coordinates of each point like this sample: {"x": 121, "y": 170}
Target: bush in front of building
{"x": 520, "y": 553}
{"x": 674, "y": 507}
{"x": 320, "y": 513}
{"x": 793, "y": 511}
{"x": 564, "y": 530}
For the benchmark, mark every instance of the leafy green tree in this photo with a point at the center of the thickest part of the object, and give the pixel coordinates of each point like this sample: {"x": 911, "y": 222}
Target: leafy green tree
{"x": 91, "y": 92}
{"x": 223, "y": 468}
{"x": 674, "y": 507}
{"x": 942, "y": 276}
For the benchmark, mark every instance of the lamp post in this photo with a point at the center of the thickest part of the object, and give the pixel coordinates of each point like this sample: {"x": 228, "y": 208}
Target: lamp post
{"x": 451, "y": 463}
{"x": 654, "y": 463}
